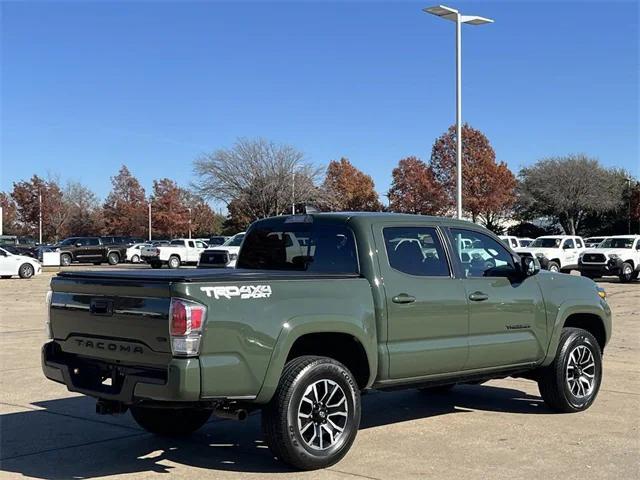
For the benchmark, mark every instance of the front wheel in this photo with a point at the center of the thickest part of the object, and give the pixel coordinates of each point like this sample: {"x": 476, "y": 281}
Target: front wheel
{"x": 626, "y": 272}
{"x": 170, "y": 422}
{"x": 571, "y": 382}
{"x": 554, "y": 267}
{"x": 65, "y": 259}
{"x": 135, "y": 259}
{"x": 313, "y": 418}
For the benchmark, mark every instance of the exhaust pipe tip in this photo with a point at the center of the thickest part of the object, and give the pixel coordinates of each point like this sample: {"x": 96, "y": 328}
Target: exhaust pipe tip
{"x": 239, "y": 414}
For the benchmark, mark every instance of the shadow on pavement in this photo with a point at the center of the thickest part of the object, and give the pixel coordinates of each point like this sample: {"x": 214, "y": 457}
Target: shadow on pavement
{"x": 55, "y": 443}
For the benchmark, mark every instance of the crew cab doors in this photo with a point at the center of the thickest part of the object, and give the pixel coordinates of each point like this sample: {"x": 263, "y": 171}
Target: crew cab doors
{"x": 449, "y": 309}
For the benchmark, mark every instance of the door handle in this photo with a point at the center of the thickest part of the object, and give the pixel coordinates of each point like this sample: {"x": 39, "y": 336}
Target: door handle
{"x": 478, "y": 296}
{"x": 403, "y": 298}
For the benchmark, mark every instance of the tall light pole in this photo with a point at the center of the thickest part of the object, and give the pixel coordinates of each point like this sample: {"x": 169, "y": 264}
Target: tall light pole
{"x": 40, "y": 216}
{"x": 455, "y": 16}
{"x": 293, "y": 193}
{"x": 149, "y": 220}
{"x": 189, "y": 222}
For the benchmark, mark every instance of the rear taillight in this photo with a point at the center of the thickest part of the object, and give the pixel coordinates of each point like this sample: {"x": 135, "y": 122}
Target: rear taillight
{"x": 186, "y": 321}
{"x": 48, "y": 331}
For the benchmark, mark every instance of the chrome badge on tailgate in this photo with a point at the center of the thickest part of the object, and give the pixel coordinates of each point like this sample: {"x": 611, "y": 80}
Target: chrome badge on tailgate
{"x": 244, "y": 292}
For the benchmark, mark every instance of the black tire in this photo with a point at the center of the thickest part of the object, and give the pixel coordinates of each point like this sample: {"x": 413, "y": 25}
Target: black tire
{"x": 6, "y": 276}
{"x": 170, "y": 422}
{"x": 174, "y": 261}
{"x": 626, "y": 272}
{"x": 156, "y": 265}
{"x": 26, "y": 270}
{"x": 553, "y": 380}
{"x": 281, "y": 423}
{"x": 113, "y": 258}
{"x": 553, "y": 266}
{"x": 438, "y": 390}
{"x": 135, "y": 259}
{"x": 635, "y": 275}
{"x": 65, "y": 259}
{"x": 97, "y": 263}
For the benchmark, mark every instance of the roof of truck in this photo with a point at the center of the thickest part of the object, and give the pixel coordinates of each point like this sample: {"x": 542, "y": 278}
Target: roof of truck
{"x": 382, "y": 216}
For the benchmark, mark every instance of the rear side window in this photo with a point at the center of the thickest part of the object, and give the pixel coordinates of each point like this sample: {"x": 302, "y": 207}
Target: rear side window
{"x": 92, "y": 241}
{"x": 299, "y": 246}
{"x": 416, "y": 251}
{"x": 579, "y": 243}
{"x": 569, "y": 243}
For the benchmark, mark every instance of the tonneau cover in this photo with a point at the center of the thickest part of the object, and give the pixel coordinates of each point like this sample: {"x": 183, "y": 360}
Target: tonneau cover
{"x": 200, "y": 275}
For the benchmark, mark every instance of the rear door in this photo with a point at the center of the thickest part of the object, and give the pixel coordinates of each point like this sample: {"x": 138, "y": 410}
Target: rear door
{"x": 427, "y": 313}
{"x": 507, "y": 320}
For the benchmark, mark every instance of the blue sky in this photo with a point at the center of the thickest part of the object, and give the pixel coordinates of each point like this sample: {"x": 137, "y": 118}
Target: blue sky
{"x": 89, "y": 86}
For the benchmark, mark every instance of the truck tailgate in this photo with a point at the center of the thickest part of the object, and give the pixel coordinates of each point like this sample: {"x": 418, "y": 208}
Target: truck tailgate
{"x": 124, "y": 320}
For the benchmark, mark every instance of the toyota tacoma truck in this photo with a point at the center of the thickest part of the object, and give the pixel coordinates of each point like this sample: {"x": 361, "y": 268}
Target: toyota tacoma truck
{"x": 556, "y": 253}
{"x": 181, "y": 251}
{"x": 362, "y": 301}
{"x": 615, "y": 256}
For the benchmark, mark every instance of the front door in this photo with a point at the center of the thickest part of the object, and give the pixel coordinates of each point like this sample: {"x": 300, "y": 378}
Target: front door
{"x": 427, "y": 315}
{"x": 507, "y": 320}
{"x": 570, "y": 252}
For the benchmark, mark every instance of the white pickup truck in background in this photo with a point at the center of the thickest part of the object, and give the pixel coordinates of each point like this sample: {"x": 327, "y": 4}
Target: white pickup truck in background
{"x": 618, "y": 255}
{"x": 556, "y": 253}
{"x": 182, "y": 251}
{"x": 222, "y": 256}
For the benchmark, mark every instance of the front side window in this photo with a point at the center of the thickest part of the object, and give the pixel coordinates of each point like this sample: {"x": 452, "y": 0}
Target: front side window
{"x": 93, "y": 242}
{"x": 481, "y": 255}
{"x": 283, "y": 244}
{"x": 68, "y": 241}
{"x": 416, "y": 251}
{"x": 200, "y": 245}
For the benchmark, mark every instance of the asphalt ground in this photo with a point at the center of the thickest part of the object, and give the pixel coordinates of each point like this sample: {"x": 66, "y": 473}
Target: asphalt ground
{"x": 498, "y": 430}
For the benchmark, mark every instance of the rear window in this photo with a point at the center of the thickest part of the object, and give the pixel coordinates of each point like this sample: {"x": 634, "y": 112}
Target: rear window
{"x": 310, "y": 247}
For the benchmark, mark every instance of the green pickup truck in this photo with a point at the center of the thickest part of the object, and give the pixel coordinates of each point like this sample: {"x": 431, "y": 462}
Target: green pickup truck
{"x": 320, "y": 308}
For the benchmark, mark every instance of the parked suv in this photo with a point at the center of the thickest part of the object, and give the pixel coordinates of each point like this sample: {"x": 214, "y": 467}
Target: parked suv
{"x": 320, "y": 308}
{"x": 90, "y": 250}
{"x": 556, "y": 253}
{"x": 618, "y": 255}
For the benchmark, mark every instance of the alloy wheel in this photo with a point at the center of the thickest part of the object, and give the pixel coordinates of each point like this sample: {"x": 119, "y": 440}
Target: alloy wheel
{"x": 322, "y": 414}
{"x": 581, "y": 371}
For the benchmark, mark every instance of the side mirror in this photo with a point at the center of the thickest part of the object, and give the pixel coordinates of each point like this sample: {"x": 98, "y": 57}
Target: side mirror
{"x": 529, "y": 266}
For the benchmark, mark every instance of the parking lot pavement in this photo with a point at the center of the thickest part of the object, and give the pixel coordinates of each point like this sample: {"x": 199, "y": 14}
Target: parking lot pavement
{"x": 498, "y": 430}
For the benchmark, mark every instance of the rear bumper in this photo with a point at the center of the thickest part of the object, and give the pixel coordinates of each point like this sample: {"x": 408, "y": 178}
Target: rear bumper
{"x": 179, "y": 381}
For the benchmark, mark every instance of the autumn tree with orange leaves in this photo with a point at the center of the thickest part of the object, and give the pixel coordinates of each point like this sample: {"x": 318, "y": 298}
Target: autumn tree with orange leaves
{"x": 25, "y": 194}
{"x": 488, "y": 187}
{"x": 348, "y": 189}
{"x": 125, "y": 209}
{"x": 414, "y": 189}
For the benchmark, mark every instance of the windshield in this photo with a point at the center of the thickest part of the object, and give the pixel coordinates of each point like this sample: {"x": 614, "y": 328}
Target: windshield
{"x": 235, "y": 241}
{"x": 625, "y": 242}
{"x": 304, "y": 245}
{"x": 552, "y": 242}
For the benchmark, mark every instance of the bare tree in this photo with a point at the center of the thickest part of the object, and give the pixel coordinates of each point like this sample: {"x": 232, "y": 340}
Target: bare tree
{"x": 261, "y": 177}
{"x": 567, "y": 189}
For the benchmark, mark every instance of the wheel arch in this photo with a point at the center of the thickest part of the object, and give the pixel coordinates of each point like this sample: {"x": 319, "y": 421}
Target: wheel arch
{"x": 303, "y": 337}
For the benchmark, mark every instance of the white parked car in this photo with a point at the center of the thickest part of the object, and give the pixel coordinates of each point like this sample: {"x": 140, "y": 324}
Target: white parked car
{"x": 556, "y": 253}
{"x": 182, "y": 251}
{"x": 618, "y": 256}
{"x": 134, "y": 252}
{"x": 224, "y": 256}
{"x": 21, "y": 265}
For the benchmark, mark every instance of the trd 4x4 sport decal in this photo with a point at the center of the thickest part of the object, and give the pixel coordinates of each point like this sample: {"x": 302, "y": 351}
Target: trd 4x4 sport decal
{"x": 244, "y": 292}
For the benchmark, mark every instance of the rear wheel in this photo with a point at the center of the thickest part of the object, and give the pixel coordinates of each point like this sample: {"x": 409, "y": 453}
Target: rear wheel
{"x": 174, "y": 261}
{"x": 626, "y": 272}
{"x": 26, "y": 270}
{"x": 135, "y": 259}
{"x": 113, "y": 258}
{"x": 6, "y": 276}
{"x": 313, "y": 418}
{"x": 65, "y": 259}
{"x": 170, "y": 422}
{"x": 571, "y": 382}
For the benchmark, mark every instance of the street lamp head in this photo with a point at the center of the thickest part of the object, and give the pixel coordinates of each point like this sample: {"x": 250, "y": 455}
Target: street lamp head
{"x": 452, "y": 14}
